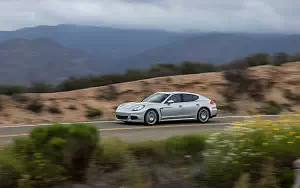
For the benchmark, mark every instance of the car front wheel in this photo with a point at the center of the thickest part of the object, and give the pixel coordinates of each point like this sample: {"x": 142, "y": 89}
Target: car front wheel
{"x": 203, "y": 115}
{"x": 151, "y": 117}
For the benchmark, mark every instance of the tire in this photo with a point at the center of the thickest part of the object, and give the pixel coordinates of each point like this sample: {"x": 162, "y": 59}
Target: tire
{"x": 151, "y": 117}
{"x": 203, "y": 115}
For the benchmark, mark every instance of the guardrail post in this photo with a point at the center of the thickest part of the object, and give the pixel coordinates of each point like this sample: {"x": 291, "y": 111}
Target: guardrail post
{"x": 296, "y": 174}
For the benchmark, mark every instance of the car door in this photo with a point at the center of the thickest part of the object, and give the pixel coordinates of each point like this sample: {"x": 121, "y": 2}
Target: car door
{"x": 174, "y": 110}
{"x": 190, "y": 105}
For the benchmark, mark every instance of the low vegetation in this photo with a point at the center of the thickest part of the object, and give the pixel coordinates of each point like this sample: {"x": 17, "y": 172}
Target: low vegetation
{"x": 109, "y": 93}
{"x": 157, "y": 70}
{"x": 54, "y": 109}
{"x": 229, "y": 107}
{"x": 271, "y": 108}
{"x": 242, "y": 148}
{"x": 92, "y": 113}
{"x": 249, "y": 154}
{"x": 50, "y": 156}
{"x": 72, "y": 107}
{"x": 292, "y": 96}
{"x": 35, "y": 106}
{"x": 256, "y": 153}
{"x": 20, "y": 98}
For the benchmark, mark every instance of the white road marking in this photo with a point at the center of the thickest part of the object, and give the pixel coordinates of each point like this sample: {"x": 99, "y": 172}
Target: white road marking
{"x": 99, "y": 122}
{"x": 253, "y": 116}
{"x": 134, "y": 128}
{"x": 47, "y": 124}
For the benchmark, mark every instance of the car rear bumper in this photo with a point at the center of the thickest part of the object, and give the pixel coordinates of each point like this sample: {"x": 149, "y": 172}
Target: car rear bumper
{"x": 214, "y": 113}
{"x": 129, "y": 117}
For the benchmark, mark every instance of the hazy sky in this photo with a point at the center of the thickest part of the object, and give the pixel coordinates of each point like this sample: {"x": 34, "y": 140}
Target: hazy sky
{"x": 172, "y": 15}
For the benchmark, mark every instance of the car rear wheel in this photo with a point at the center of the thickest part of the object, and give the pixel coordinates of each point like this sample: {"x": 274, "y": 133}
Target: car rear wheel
{"x": 203, "y": 115}
{"x": 151, "y": 117}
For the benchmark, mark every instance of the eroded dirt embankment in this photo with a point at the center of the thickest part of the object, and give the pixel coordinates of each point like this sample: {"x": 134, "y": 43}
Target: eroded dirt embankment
{"x": 237, "y": 92}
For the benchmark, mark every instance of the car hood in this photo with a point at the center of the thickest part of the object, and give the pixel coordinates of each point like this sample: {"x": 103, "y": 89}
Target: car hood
{"x": 132, "y": 105}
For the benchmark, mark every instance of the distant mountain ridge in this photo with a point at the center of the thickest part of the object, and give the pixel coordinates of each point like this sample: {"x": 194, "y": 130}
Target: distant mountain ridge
{"x": 101, "y": 50}
{"x": 107, "y": 43}
{"x": 25, "y": 61}
{"x": 214, "y": 48}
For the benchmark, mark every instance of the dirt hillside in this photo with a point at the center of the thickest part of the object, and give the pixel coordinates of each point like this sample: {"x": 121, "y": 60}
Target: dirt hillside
{"x": 236, "y": 92}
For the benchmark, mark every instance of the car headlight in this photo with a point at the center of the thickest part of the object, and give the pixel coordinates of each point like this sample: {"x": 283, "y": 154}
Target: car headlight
{"x": 138, "y": 108}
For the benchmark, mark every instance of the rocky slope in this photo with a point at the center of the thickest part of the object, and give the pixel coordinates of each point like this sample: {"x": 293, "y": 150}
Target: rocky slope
{"x": 236, "y": 92}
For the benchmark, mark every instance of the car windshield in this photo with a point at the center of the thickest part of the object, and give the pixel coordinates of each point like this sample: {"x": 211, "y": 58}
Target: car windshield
{"x": 156, "y": 98}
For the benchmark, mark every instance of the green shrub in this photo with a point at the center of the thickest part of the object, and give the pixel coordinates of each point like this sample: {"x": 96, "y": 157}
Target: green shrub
{"x": 272, "y": 108}
{"x": 108, "y": 93}
{"x": 72, "y": 107}
{"x": 35, "y": 106}
{"x": 43, "y": 172}
{"x": 22, "y": 148}
{"x": 11, "y": 89}
{"x": 9, "y": 170}
{"x": 185, "y": 145}
{"x": 149, "y": 150}
{"x": 268, "y": 175}
{"x": 286, "y": 178}
{"x": 135, "y": 174}
{"x": 93, "y": 113}
{"x": 258, "y": 59}
{"x": 243, "y": 182}
{"x": 111, "y": 155}
{"x": 289, "y": 94}
{"x": 54, "y": 110}
{"x": 243, "y": 147}
{"x": 65, "y": 148}
{"x": 9, "y": 176}
{"x": 20, "y": 98}
{"x": 188, "y": 67}
{"x": 41, "y": 87}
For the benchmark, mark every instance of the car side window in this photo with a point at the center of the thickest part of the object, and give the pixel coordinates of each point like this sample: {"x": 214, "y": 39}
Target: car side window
{"x": 176, "y": 98}
{"x": 189, "y": 97}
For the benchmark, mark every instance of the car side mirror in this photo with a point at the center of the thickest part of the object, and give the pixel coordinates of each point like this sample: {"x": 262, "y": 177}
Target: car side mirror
{"x": 170, "y": 102}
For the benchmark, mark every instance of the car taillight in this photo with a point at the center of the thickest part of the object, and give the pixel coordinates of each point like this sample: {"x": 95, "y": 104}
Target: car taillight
{"x": 212, "y": 102}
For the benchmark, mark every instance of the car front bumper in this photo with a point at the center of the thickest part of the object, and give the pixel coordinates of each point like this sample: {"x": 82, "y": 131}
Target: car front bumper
{"x": 137, "y": 117}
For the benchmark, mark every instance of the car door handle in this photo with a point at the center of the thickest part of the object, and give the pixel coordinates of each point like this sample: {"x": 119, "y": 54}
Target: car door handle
{"x": 197, "y": 104}
{"x": 180, "y": 106}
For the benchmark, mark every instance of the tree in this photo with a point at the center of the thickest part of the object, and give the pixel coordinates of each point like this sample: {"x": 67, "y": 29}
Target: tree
{"x": 41, "y": 87}
{"x": 258, "y": 59}
{"x": 280, "y": 58}
{"x": 163, "y": 69}
{"x": 189, "y": 67}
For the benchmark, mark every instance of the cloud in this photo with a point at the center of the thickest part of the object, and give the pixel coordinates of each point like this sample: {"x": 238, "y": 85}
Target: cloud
{"x": 172, "y": 15}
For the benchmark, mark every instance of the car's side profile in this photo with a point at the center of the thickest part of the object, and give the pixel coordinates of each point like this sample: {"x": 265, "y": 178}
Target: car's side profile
{"x": 168, "y": 106}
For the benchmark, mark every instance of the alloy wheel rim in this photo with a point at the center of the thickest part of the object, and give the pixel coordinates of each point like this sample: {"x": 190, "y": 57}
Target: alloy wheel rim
{"x": 203, "y": 115}
{"x": 151, "y": 117}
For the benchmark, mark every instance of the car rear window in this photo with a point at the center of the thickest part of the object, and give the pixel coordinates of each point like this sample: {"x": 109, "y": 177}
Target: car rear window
{"x": 189, "y": 97}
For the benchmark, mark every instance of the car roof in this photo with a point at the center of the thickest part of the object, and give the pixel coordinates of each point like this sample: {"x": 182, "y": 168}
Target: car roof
{"x": 177, "y": 92}
{"x": 182, "y": 92}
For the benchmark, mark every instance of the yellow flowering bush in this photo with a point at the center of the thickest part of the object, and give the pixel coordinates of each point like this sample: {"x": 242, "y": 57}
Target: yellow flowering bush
{"x": 243, "y": 145}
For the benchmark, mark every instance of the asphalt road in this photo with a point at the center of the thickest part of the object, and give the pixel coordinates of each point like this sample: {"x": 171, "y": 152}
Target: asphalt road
{"x": 138, "y": 132}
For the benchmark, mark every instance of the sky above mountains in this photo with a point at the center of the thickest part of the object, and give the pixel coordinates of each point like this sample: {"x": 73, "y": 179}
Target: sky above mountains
{"x": 275, "y": 16}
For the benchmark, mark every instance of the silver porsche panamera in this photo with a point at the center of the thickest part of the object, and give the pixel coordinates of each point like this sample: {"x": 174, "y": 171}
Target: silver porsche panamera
{"x": 168, "y": 106}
